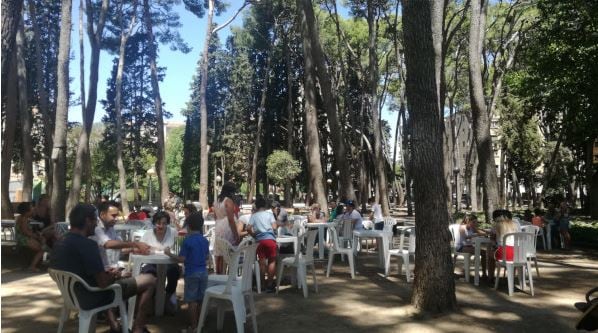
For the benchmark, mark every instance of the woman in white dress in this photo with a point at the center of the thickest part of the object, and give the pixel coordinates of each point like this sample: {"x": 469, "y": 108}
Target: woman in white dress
{"x": 226, "y": 226}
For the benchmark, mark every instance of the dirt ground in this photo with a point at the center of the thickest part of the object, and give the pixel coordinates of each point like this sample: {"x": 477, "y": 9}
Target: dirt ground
{"x": 369, "y": 303}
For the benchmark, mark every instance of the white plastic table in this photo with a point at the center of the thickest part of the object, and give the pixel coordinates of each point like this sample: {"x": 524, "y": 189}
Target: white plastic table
{"x": 161, "y": 261}
{"x": 286, "y": 239}
{"x": 127, "y": 229}
{"x": 377, "y": 234}
{"x": 478, "y": 241}
{"x": 321, "y": 226}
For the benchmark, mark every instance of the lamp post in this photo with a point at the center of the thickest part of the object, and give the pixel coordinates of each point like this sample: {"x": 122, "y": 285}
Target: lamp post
{"x": 329, "y": 182}
{"x": 338, "y": 182}
{"x": 150, "y": 172}
{"x": 456, "y": 182}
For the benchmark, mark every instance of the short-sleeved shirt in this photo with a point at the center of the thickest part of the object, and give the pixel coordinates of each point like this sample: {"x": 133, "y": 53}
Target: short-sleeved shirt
{"x": 102, "y": 235}
{"x": 283, "y": 217}
{"x": 138, "y": 216}
{"x": 195, "y": 249}
{"x": 81, "y": 256}
{"x": 377, "y": 210}
{"x": 150, "y": 239}
{"x": 355, "y": 216}
{"x": 262, "y": 225}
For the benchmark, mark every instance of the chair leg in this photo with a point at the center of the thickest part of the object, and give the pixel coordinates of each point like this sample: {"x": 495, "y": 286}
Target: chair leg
{"x": 466, "y": 267}
{"x": 202, "y": 314}
{"x": 510, "y": 278}
{"x": 536, "y": 264}
{"x": 279, "y": 276}
{"x": 84, "y": 321}
{"x": 313, "y": 271}
{"x": 406, "y": 264}
{"x": 330, "y": 258}
{"x": 351, "y": 265}
{"x": 387, "y": 265}
{"x": 240, "y": 313}
{"x": 496, "y": 277}
{"x": 253, "y": 314}
{"x": 302, "y": 270}
{"x": 521, "y": 278}
{"x": 124, "y": 323}
{"x": 531, "y": 280}
{"x": 258, "y": 277}
{"x": 64, "y": 316}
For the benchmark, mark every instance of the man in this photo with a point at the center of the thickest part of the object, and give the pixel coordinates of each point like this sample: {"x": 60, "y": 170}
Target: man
{"x": 280, "y": 214}
{"x": 78, "y": 254}
{"x": 354, "y": 215}
{"x": 261, "y": 226}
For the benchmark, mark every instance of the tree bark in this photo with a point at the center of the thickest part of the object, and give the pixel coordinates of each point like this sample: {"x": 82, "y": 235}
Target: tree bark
{"x": 203, "y": 112}
{"x": 160, "y": 154}
{"x": 434, "y": 287}
{"x": 312, "y": 148}
{"x": 8, "y": 135}
{"x": 329, "y": 98}
{"x": 58, "y": 199}
{"x": 480, "y": 116}
{"x": 11, "y": 12}
{"x": 25, "y": 115}
{"x": 290, "y": 114}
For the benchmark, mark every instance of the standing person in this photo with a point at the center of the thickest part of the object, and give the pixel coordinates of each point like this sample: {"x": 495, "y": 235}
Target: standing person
{"x": 193, "y": 254}
{"x": 41, "y": 212}
{"x": 226, "y": 226}
{"x": 161, "y": 237}
{"x": 315, "y": 214}
{"x": 28, "y": 238}
{"x": 376, "y": 215}
{"x": 352, "y": 214}
{"x": 188, "y": 209}
{"x": 78, "y": 254}
{"x": 137, "y": 214}
{"x": 280, "y": 214}
{"x": 503, "y": 224}
{"x": 563, "y": 218}
{"x": 169, "y": 209}
{"x": 261, "y": 226}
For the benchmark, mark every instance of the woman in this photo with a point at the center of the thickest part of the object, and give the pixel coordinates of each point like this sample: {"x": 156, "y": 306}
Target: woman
{"x": 161, "y": 237}
{"x": 376, "y": 215}
{"x": 226, "y": 226}
{"x": 503, "y": 224}
{"x": 169, "y": 209}
{"x": 563, "y": 218}
{"x": 315, "y": 214}
{"x": 27, "y": 237}
{"x": 188, "y": 209}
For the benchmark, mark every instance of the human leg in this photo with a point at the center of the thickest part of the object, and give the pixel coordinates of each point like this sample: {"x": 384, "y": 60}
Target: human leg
{"x": 36, "y": 246}
{"x": 195, "y": 287}
{"x": 219, "y": 264}
{"x": 145, "y": 284}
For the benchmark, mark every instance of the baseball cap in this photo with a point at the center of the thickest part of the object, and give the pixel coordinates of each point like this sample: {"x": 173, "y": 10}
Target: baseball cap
{"x": 350, "y": 203}
{"x": 275, "y": 204}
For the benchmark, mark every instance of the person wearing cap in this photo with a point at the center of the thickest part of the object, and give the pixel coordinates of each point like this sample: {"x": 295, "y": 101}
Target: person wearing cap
{"x": 352, "y": 214}
{"x": 280, "y": 214}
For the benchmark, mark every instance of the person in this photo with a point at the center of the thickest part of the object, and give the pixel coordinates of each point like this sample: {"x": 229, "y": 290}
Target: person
{"x": 26, "y": 237}
{"x": 280, "y": 214}
{"x": 332, "y": 210}
{"x": 78, "y": 254}
{"x": 262, "y": 225}
{"x": 538, "y": 219}
{"x": 137, "y": 213}
{"x": 315, "y": 214}
{"x": 376, "y": 215}
{"x": 188, "y": 209}
{"x": 353, "y": 215}
{"x": 563, "y": 223}
{"x": 194, "y": 252}
{"x": 527, "y": 215}
{"x": 503, "y": 224}
{"x": 169, "y": 209}
{"x": 161, "y": 237}
{"x": 41, "y": 212}
{"x": 468, "y": 230}
{"x": 225, "y": 226}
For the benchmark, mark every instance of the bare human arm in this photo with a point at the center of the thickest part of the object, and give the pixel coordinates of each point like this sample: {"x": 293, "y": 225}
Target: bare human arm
{"x": 138, "y": 247}
{"x": 179, "y": 259}
{"x": 229, "y": 206}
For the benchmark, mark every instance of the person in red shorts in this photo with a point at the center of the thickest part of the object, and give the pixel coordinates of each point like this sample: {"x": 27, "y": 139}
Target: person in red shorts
{"x": 261, "y": 226}
{"x": 503, "y": 224}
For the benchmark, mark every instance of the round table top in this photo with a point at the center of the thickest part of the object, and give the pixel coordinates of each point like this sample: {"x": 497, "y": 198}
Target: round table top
{"x": 318, "y": 224}
{"x": 369, "y": 233}
{"x": 157, "y": 258}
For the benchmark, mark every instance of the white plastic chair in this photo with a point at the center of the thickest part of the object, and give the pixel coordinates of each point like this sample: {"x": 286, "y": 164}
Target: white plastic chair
{"x": 531, "y": 253}
{"x": 300, "y": 262}
{"x": 345, "y": 233}
{"x": 235, "y": 291}
{"x": 337, "y": 249}
{"x": 405, "y": 251}
{"x": 66, "y": 282}
{"x": 227, "y": 248}
{"x": 522, "y": 241}
{"x": 464, "y": 256}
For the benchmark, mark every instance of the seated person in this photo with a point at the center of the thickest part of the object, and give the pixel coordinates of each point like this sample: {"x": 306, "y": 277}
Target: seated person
{"x": 261, "y": 226}
{"x": 280, "y": 214}
{"x": 376, "y": 215}
{"x": 315, "y": 214}
{"x": 468, "y": 230}
{"x": 538, "y": 219}
{"x": 353, "y": 215}
{"x": 78, "y": 254}
{"x": 503, "y": 224}
{"x": 26, "y": 237}
{"x": 332, "y": 210}
{"x": 160, "y": 237}
{"x": 137, "y": 213}
{"x": 41, "y": 212}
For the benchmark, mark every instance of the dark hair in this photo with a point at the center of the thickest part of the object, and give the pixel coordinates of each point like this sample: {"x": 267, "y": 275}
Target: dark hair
{"x": 260, "y": 203}
{"x": 42, "y": 197}
{"x": 81, "y": 212}
{"x": 104, "y": 206}
{"x": 161, "y": 215}
{"x": 194, "y": 221}
{"x": 228, "y": 190}
{"x": 538, "y": 211}
{"x": 350, "y": 203}
{"x": 191, "y": 208}
{"x": 501, "y": 212}
{"x": 339, "y": 208}
{"x": 24, "y": 207}
{"x": 275, "y": 204}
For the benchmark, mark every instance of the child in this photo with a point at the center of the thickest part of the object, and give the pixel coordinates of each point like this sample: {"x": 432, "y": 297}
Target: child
{"x": 193, "y": 254}
{"x": 261, "y": 226}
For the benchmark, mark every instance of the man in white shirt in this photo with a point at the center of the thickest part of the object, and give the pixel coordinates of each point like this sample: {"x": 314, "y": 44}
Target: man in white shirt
{"x": 352, "y": 214}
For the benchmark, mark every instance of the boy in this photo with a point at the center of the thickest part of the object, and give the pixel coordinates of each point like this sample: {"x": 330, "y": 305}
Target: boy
{"x": 261, "y": 226}
{"x": 193, "y": 254}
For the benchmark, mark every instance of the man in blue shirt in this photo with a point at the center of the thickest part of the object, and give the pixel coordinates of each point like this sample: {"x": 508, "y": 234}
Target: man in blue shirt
{"x": 261, "y": 226}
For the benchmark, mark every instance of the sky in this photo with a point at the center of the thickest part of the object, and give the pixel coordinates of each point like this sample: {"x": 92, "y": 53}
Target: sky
{"x": 180, "y": 67}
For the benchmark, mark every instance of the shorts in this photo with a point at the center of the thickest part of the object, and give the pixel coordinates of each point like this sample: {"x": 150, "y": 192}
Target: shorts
{"x": 195, "y": 286}
{"x": 379, "y": 226}
{"x": 128, "y": 286}
{"x": 266, "y": 249}
{"x": 499, "y": 253}
{"x": 90, "y": 300}
{"x": 564, "y": 224}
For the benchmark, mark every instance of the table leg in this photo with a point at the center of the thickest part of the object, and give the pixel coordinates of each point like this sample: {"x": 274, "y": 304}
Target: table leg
{"x": 161, "y": 270}
{"x": 476, "y": 279}
{"x": 133, "y": 299}
{"x": 321, "y": 242}
{"x": 548, "y": 235}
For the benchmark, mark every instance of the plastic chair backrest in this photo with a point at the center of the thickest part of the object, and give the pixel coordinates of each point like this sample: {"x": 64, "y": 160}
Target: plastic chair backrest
{"x": 347, "y": 228}
{"x": 389, "y": 222}
{"x": 532, "y": 229}
{"x": 249, "y": 255}
{"x": 66, "y": 282}
{"x": 522, "y": 242}
{"x": 226, "y": 248}
{"x": 455, "y": 234}
{"x": 334, "y": 234}
{"x": 410, "y": 246}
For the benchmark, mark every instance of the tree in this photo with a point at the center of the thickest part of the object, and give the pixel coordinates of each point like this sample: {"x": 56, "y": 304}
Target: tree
{"x": 57, "y": 202}
{"x": 11, "y": 14}
{"x": 25, "y": 115}
{"x": 434, "y": 287}
{"x": 282, "y": 168}
{"x": 174, "y": 159}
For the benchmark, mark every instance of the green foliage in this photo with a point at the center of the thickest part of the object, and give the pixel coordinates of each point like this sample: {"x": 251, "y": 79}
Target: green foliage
{"x": 282, "y": 168}
{"x": 174, "y": 159}
{"x": 584, "y": 231}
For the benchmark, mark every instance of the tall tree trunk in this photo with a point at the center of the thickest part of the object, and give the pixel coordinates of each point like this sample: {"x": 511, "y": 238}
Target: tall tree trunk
{"x": 380, "y": 159}
{"x": 122, "y": 176}
{"x": 58, "y": 199}
{"x": 502, "y": 180}
{"x": 25, "y": 115}
{"x": 161, "y": 155}
{"x": 434, "y": 287}
{"x": 480, "y": 116}
{"x": 83, "y": 153}
{"x": 42, "y": 98}
{"x": 8, "y": 134}
{"x": 329, "y": 98}
{"x": 11, "y": 13}
{"x": 592, "y": 179}
{"x": 312, "y": 147}
{"x": 260, "y": 120}
{"x": 203, "y": 112}
{"x": 290, "y": 114}
{"x": 407, "y": 146}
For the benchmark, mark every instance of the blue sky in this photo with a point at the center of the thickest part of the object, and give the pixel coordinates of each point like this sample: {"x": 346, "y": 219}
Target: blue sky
{"x": 179, "y": 67}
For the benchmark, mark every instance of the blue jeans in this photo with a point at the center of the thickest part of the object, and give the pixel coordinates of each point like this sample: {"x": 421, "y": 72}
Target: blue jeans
{"x": 195, "y": 286}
